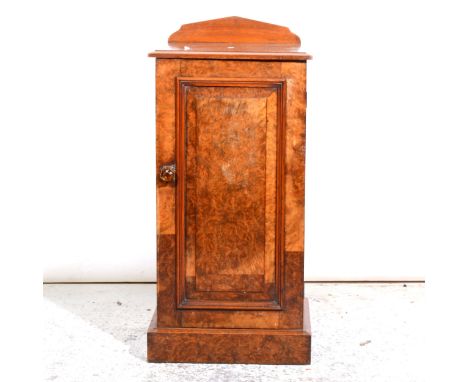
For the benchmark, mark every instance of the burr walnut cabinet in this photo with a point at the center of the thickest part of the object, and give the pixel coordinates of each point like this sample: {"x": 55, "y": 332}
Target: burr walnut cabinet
{"x": 230, "y": 153}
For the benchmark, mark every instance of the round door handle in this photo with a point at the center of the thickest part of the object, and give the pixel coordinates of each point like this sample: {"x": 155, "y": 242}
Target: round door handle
{"x": 167, "y": 172}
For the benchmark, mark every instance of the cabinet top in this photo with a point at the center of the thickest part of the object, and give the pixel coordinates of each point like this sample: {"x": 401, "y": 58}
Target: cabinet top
{"x": 233, "y": 38}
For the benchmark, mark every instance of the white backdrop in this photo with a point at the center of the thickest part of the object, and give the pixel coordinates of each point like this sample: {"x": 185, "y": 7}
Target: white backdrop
{"x": 89, "y": 132}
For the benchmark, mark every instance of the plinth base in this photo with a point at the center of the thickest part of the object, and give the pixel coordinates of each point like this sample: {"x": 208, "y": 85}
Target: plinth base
{"x": 258, "y": 346}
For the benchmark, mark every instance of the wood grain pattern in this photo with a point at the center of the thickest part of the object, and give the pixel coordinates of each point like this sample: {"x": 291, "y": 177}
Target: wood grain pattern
{"x": 166, "y": 72}
{"x": 293, "y": 290}
{"x": 295, "y": 74}
{"x": 234, "y": 30}
{"x": 245, "y": 346}
{"x": 167, "y": 313}
{"x": 234, "y": 319}
{"x": 233, "y": 38}
{"x": 230, "y": 69}
{"x": 224, "y": 128}
{"x": 289, "y": 317}
{"x": 229, "y": 184}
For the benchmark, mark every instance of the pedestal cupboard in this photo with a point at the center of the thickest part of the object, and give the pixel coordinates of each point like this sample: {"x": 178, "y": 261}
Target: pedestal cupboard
{"x": 230, "y": 152}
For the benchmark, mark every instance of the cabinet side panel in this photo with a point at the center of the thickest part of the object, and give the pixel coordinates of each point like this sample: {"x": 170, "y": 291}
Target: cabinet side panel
{"x": 166, "y": 72}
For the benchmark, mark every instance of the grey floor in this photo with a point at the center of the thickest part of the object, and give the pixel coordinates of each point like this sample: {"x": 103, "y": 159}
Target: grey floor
{"x": 360, "y": 332}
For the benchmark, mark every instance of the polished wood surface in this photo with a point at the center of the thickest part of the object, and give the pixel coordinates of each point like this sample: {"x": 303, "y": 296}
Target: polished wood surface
{"x": 233, "y": 38}
{"x": 222, "y": 52}
{"x": 233, "y": 30}
{"x": 230, "y": 157}
{"x": 245, "y": 346}
{"x": 230, "y": 153}
{"x": 169, "y": 73}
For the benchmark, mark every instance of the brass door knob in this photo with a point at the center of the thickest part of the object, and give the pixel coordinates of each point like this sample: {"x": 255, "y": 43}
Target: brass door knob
{"x": 167, "y": 172}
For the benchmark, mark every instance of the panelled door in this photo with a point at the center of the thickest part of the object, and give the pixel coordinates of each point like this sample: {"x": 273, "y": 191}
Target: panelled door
{"x": 230, "y": 156}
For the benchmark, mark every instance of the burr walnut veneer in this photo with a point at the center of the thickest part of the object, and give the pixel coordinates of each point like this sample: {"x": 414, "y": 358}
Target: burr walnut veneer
{"x": 230, "y": 151}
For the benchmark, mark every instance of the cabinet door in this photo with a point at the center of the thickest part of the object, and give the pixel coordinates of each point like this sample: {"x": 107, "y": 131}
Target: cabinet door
{"x": 229, "y": 193}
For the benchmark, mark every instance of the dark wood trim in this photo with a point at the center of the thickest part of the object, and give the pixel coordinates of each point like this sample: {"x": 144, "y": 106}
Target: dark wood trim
{"x": 180, "y": 192}
{"x": 280, "y": 189}
{"x": 229, "y": 305}
{"x": 182, "y": 83}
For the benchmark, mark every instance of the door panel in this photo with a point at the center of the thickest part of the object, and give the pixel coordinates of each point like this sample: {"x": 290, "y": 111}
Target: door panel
{"x": 229, "y": 219}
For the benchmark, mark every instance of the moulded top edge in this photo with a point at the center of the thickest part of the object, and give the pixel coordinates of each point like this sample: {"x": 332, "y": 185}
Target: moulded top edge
{"x": 233, "y": 52}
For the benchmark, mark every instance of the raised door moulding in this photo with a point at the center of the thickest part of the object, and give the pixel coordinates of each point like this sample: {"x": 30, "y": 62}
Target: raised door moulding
{"x": 234, "y": 299}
